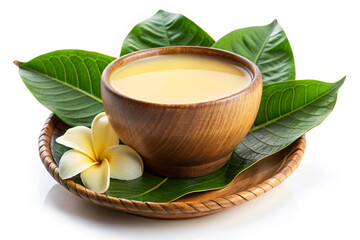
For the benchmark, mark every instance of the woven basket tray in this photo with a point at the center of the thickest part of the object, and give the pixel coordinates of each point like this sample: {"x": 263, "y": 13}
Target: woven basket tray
{"x": 258, "y": 179}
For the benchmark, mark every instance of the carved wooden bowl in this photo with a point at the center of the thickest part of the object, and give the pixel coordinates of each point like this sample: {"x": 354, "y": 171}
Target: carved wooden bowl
{"x": 183, "y": 140}
{"x": 258, "y": 179}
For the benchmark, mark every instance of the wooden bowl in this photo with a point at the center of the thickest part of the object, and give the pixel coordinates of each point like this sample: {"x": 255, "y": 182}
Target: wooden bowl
{"x": 255, "y": 181}
{"x": 183, "y": 140}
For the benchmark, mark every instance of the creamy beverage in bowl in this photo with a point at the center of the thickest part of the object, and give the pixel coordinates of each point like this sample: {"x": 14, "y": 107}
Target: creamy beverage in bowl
{"x": 179, "y": 79}
{"x": 183, "y": 109}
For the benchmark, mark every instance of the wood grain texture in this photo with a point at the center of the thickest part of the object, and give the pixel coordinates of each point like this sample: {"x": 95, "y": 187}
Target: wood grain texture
{"x": 258, "y": 179}
{"x": 183, "y": 140}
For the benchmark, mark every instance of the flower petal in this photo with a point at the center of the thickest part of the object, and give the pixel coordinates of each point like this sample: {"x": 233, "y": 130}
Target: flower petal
{"x": 97, "y": 177}
{"x": 73, "y": 162}
{"x": 103, "y": 135}
{"x": 78, "y": 138}
{"x": 125, "y": 162}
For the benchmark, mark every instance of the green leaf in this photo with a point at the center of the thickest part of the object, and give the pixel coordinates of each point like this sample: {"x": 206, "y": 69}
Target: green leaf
{"x": 165, "y": 29}
{"x": 288, "y": 110}
{"x": 57, "y": 150}
{"x": 266, "y": 46}
{"x": 68, "y": 83}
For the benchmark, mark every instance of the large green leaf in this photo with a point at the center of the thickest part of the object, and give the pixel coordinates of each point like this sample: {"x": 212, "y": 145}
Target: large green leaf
{"x": 68, "y": 83}
{"x": 266, "y": 46}
{"x": 165, "y": 29}
{"x": 288, "y": 110}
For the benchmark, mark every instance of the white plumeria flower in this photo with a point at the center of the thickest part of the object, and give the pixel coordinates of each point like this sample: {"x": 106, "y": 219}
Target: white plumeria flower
{"x": 97, "y": 155}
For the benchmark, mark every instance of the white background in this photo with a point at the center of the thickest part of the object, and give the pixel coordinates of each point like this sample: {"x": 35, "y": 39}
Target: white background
{"x": 319, "y": 201}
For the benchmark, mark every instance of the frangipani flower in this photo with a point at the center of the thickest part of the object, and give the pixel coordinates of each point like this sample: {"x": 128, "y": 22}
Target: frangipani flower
{"x": 97, "y": 155}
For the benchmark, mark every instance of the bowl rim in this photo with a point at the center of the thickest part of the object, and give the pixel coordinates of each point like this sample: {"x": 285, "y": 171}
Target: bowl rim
{"x": 237, "y": 59}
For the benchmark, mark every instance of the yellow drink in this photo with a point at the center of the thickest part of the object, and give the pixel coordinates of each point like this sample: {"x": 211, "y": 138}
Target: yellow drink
{"x": 179, "y": 79}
